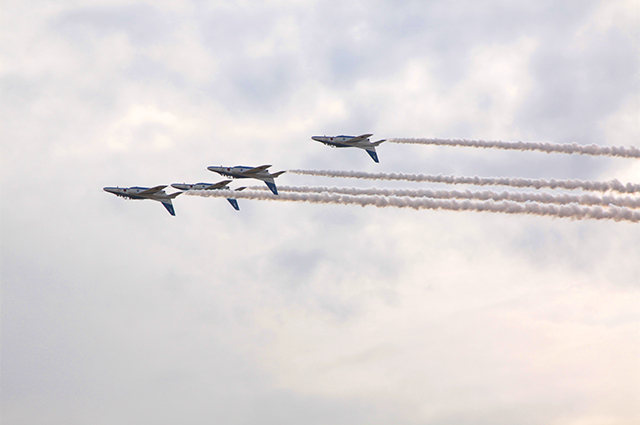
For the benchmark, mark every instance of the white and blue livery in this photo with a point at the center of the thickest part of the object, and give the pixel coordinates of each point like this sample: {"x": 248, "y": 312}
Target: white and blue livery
{"x": 243, "y": 172}
{"x": 155, "y": 194}
{"x": 210, "y": 186}
{"x": 343, "y": 141}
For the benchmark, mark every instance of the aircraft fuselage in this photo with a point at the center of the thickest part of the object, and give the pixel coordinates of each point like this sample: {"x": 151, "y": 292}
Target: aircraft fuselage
{"x": 135, "y": 193}
{"x": 223, "y": 185}
{"x": 343, "y": 141}
{"x": 155, "y": 194}
{"x": 196, "y": 186}
{"x": 244, "y": 172}
{"x": 238, "y": 171}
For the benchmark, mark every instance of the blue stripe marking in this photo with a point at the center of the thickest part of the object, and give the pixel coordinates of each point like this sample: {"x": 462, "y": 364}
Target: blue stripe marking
{"x": 272, "y": 187}
{"x": 169, "y": 208}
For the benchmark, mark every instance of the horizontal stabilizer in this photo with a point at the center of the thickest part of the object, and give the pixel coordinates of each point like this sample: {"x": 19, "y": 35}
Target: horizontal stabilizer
{"x": 378, "y": 142}
{"x": 173, "y": 195}
{"x": 278, "y": 173}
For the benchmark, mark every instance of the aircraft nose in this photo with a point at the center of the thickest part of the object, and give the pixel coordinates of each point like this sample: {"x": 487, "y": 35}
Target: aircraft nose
{"x": 109, "y": 189}
{"x": 316, "y": 138}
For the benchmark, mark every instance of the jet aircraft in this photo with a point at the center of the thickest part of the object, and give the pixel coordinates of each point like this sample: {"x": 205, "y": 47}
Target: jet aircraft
{"x": 343, "y": 141}
{"x": 242, "y": 172}
{"x": 155, "y": 194}
{"x": 210, "y": 186}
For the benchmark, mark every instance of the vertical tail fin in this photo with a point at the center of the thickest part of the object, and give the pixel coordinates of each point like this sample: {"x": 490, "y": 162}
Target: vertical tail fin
{"x": 373, "y": 154}
{"x": 271, "y": 185}
{"x": 169, "y": 206}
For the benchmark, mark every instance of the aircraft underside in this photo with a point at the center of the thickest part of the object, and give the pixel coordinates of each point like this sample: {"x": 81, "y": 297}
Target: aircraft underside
{"x": 338, "y": 145}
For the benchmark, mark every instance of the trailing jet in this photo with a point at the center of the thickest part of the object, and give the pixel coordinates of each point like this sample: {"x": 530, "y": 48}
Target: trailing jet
{"x": 155, "y": 194}
{"x": 211, "y": 186}
{"x": 242, "y": 172}
{"x": 342, "y": 141}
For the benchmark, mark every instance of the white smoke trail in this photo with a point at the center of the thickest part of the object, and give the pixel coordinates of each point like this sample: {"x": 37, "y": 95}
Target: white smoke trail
{"x": 543, "y": 198}
{"x": 506, "y": 207}
{"x": 571, "y": 148}
{"x": 613, "y": 185}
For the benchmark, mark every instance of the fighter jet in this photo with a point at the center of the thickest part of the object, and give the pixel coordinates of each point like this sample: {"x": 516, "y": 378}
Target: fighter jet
{"x": 210, "y": 186}
{"x": 155, "y": 194}
{"x": 343, "y": 141}
{"x": 242, "y": 172}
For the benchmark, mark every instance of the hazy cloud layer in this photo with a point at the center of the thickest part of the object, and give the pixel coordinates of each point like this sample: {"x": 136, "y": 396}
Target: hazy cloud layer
{"x": 116, "y": 312}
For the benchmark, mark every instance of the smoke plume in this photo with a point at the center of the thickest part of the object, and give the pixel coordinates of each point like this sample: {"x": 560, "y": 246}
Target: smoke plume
{"x": 543, "y": 198}
{"x": 506, "y": 207}
{"x": 613, "y": 185}
{"x": 571, "y": 148}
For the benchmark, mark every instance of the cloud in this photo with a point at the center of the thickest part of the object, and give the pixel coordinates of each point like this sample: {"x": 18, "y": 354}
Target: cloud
{"x": 294, "y": 312}
{"x": 146, "y": 126}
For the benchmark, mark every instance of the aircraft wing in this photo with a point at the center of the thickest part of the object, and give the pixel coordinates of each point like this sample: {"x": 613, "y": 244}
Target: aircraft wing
{"x": 219, "y": 185}
{"x": 256, "y": 170}
{"x": 152, "y": 190}
{"x": 361, "y": 137}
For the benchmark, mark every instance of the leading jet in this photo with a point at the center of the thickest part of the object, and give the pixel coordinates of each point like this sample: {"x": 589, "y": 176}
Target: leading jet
{"x": 343, "y": 141}
{"x": 210, "y": 186}
{"x": 155, "y": 194}
{"x": 242, "y": 172}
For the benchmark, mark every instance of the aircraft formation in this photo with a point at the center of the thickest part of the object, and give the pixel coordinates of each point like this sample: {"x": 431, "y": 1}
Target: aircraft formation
{"x": 261, "y": 172}
{"x": 599, "y": 207}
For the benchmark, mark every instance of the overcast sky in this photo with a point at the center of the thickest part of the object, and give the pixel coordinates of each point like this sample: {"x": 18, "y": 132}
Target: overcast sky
{"x": 115, "y": 312}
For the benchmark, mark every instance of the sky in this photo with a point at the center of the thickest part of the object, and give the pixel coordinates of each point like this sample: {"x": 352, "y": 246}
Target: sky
{"x": 115, "y": 312}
